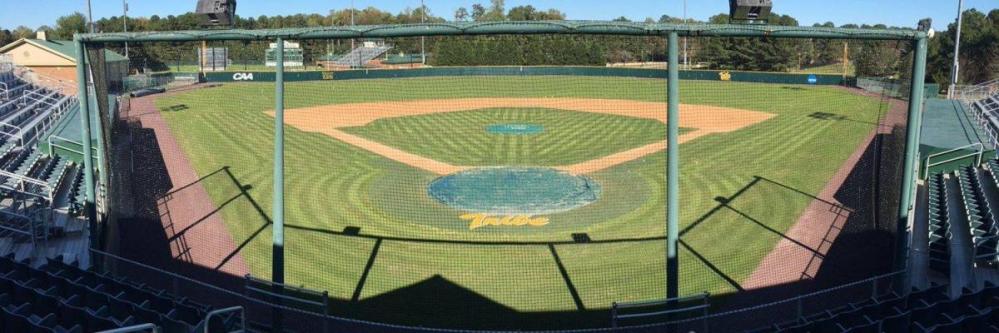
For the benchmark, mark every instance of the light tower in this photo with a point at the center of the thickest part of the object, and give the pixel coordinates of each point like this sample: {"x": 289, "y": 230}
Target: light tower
{"x": 954, "y": 70}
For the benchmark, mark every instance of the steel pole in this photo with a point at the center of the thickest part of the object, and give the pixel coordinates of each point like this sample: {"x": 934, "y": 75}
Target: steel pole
{"x": 90, "y": 202}
{"x": 914, "y": 121}
{"x": 686, "y": 61}
{"x": 124, "y": 22}
{"x": 954, "y": 75}
{"x": 90, "y": 18}
{"x": 423, "y": 39}
{"x": 673, "y": 171}
{"x": 352, "y": 46}
{"x": 277, "y": 266}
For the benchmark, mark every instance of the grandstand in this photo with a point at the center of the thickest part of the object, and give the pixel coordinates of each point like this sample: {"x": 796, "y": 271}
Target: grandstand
{"x": 41, "y": 191}
{"x": 46, "y": 284}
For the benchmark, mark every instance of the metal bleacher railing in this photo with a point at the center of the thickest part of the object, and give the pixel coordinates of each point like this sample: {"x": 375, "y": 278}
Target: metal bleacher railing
{"x": 136, "y": 328}
{"x": 6, "y": 63}
{"x": 978, "y": 153}
{"x": 970, "y": 93}
{"x": 702, "y": 306}
{"x": 986, "y": 113}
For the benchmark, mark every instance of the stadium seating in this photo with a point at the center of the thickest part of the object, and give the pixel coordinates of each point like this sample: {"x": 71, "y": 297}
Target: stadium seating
{"x": 926, "y": 310}
{"x": 60, "y": 297}
{"x": 939, "y": 227}
{"x": 982, "y": 223}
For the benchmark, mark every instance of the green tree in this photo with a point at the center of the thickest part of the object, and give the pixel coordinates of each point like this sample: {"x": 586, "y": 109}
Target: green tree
{"x": 497, "y": 11}
{"x": 979, "y": 56}
{"x": 461, "y": 15}
{"x": 478, "y": 12}
{"x": 23, "y": 32}
{"x": 6, "y": 37}
{"x": 67, "y": 26}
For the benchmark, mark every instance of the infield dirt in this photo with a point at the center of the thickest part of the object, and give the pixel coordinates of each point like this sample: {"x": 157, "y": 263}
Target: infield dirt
{"x": 328, "y": 119}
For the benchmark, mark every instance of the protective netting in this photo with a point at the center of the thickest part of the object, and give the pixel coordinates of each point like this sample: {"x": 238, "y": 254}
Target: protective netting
{"x": 517, "y": 182}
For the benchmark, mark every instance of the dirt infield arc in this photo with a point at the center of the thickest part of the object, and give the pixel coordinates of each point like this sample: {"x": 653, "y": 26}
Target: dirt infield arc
{"x": 328, "y": 119}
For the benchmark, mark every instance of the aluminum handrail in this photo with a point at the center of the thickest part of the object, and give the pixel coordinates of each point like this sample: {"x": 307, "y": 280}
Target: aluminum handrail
{"x": 979, "y": 153}
{"x": 135, "y": 328}
{"x": 234, "y": 309}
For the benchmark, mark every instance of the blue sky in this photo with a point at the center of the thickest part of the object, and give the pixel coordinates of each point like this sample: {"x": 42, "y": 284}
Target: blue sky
{"x": 890, "y": 12}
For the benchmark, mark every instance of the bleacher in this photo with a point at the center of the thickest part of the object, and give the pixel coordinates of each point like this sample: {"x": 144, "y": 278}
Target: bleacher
{"x": 919, "y": 311}
{"x": 986, "y": 114}
{"x": 60, "y": 297}
{"x": 42, "y": 199}
{"x": 361, "y": 55}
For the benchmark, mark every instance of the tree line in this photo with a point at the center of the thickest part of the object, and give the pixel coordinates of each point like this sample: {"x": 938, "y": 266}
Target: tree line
{"x": 979, "y": 56}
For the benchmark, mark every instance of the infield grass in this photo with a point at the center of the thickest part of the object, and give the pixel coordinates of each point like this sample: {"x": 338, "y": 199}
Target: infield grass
{"x": 425, "y": 267}
{"x": 462, "y": 138}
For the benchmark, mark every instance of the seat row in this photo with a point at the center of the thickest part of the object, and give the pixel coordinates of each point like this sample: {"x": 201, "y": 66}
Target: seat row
{"x": 939, "y": 224}
{"x": 981, "y": 219}
{"x": 925, "y": 311}
{"x": 91, "y": 300}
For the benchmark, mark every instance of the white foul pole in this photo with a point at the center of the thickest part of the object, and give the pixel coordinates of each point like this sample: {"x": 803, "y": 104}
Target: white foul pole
{"x": 954, "y": 71}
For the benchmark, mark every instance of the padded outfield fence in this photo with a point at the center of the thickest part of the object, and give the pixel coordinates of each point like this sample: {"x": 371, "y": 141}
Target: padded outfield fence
{"x": 531, "y": 191}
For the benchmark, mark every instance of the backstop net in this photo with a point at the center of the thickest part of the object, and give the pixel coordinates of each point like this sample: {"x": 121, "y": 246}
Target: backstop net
{"x": 514, "y": 181}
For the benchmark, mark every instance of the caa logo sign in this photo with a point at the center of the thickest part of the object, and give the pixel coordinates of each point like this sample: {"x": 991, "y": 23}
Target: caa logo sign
{"x": 242, "y": 77}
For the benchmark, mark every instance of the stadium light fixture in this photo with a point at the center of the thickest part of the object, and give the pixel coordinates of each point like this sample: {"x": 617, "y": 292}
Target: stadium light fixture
{"x": 750, "y": 11}
{"x": 217, "y": 13}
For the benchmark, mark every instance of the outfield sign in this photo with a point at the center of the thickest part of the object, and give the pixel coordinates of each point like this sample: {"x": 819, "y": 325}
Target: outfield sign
{"x": 479, "y": 220}
{"x": 812, "y": 79}
{"x": 242, "y": 76}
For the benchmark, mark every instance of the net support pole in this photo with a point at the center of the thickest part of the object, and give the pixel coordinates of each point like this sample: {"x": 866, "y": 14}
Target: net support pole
{"x": 90, "y": 201}
{"x": 914, "y": 121}
{"x": 672, "y": 170}
{"x": 277, "y": 264}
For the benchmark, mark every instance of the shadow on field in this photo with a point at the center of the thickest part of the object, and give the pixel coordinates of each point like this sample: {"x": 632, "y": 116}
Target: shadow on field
{"x": 862, "y": 248}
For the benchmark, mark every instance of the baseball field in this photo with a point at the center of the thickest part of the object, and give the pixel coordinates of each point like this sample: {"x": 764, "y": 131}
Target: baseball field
{"x": 550, "y": 189}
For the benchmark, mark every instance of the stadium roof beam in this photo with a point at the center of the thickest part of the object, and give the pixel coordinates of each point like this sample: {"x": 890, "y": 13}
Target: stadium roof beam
{"x": 508, "y": 27}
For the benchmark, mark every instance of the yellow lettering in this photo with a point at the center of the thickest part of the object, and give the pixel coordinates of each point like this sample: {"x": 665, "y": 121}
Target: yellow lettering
{"x": 479, "y": 220}
{"x": 539, "y": 221}
{"x": 491, "y": 221}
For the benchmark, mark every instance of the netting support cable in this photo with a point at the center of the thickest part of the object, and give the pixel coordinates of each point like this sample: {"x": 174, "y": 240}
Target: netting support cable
{"x": 90, "y": 206}
{"x": 672, "y": 170}
{"x": 278, "y": 226}
{"x": 914, "y": 122}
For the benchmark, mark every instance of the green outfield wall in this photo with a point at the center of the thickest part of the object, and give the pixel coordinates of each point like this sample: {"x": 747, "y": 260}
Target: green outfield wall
{"x": 709, "y": 75}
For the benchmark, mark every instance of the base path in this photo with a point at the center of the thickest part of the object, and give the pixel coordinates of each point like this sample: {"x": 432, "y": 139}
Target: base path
{"x": 190, "y": 219}
{"x": 327, "y": 119}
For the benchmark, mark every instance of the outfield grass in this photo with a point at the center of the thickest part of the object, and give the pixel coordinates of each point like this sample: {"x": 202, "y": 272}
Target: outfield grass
{"x": 465, "y": 282}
